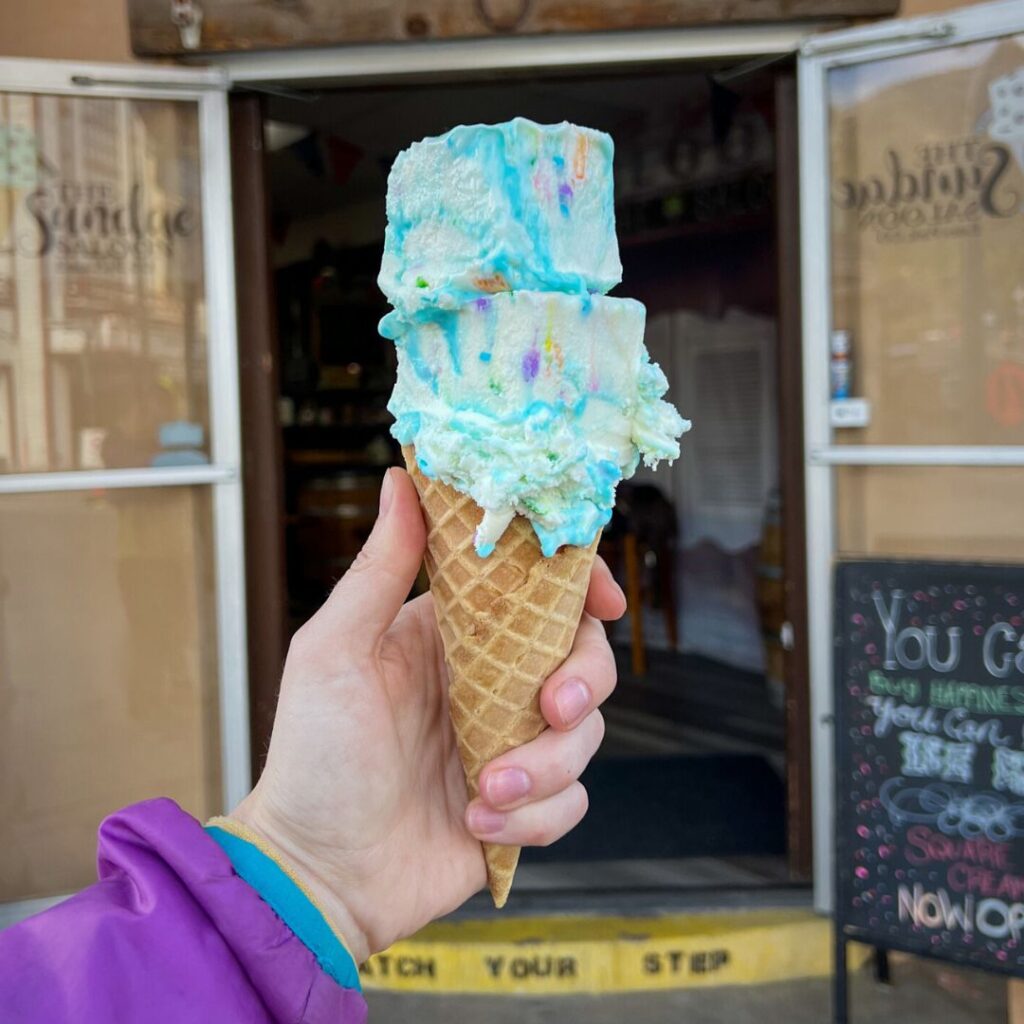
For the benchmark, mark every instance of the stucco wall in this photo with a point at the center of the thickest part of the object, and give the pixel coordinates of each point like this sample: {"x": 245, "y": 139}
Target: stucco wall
{"x": 912, "y": 8}
{"x": 87, "y": 30}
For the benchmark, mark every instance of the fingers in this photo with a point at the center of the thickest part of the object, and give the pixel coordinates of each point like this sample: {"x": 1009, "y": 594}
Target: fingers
{"x": 531, "y": 796}
{"x": 605, "y": 599}
{"x": 585, "y": 679}
{"x": 368, "y": 597}
{"x": 543, "y": 767}
{"x": 536, "y": 824}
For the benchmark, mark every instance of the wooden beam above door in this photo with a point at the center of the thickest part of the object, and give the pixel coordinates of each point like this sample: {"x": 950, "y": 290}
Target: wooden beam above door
{"x": 233, "y": 25}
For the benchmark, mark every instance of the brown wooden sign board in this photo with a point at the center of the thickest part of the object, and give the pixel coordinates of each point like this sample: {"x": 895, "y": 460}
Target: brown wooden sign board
{"x": 229, "y": 25}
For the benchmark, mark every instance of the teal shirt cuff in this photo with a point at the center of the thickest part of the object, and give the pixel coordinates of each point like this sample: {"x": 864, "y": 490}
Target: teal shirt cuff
{"x": 290, "y": 904}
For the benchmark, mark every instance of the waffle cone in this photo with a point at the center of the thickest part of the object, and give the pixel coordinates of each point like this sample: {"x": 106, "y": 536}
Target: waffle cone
{"x": 507, "y": 622}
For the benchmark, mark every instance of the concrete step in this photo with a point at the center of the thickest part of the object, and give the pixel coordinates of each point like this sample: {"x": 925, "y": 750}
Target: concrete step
{"x": 922, "y": 992}
{"x": 646, "y": 947}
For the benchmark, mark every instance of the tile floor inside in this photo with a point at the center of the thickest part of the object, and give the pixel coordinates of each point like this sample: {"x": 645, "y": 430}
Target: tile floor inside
{"x": 682, "y": 706}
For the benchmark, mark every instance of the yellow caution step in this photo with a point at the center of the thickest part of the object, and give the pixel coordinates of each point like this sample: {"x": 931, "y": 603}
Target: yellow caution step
{"x": 573, "y": 955}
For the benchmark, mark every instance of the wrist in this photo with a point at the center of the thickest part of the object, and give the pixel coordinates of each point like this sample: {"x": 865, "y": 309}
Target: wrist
{"x": 289, "y": 856}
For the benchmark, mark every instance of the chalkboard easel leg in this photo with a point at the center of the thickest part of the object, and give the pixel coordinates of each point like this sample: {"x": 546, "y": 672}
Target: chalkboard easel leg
{"x": 840, "y": 994}
{"x": 882, "y": 975}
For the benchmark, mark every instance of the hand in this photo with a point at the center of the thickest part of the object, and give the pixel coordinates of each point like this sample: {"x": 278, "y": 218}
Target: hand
{"x": 363, "y": 792}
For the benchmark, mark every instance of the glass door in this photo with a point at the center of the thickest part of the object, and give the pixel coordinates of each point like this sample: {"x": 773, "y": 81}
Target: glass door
{"x": 912, "y": 211}
{"x": 122, "y": 638}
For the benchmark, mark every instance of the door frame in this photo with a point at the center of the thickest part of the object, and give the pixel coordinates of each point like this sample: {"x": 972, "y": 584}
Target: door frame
{"x": 208, "y": 89}
{"x": 378, "y": 63}
{"x": 789, "y": 374}
{"x": 821, "y": 455}
{"x": 262, "y": 445}
{"x": 367, "y": 66}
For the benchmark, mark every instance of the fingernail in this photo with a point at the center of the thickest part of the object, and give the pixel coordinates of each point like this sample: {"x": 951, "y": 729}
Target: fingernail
{"x": 507, "y": 786}
{"x": 485, "y": 822}
{"x": 615, "y": 584}
{"x": 572, "y": 698}
{"x": 387, "y": 490}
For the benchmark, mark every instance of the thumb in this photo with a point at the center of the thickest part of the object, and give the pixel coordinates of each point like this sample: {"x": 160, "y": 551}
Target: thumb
{"x": 369, "y": 596}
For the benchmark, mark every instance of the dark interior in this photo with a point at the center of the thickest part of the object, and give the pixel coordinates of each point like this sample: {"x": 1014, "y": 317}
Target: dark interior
{"x": 695, "y": 740}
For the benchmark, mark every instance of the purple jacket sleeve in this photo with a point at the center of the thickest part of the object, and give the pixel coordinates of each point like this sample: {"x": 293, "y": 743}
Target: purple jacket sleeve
{"x": 169, "y": 933}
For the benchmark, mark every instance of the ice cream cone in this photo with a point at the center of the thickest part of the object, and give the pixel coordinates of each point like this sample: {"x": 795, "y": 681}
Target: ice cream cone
{"x": 507, "y": 622}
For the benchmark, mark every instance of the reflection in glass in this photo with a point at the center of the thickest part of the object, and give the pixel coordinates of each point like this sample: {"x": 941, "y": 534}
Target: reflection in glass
{"x": 108, "y": 671}
{"x": 927, "y": 223}
{"x": 102, "y": 304}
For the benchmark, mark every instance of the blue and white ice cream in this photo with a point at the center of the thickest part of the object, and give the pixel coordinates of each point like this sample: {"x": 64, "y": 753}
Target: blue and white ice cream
{"x": 519, "y": 382}
{"x": 495, "y": 208}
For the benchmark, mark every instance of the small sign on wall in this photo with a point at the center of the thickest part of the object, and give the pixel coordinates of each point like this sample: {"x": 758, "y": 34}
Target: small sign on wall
{"x": 849, "y": 412}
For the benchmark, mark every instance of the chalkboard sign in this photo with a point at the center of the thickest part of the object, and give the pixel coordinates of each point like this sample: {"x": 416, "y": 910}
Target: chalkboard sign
{"x": 930, "y": 760}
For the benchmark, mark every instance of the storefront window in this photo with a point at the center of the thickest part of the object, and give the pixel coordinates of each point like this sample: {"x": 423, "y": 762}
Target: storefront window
{"x": 927, "y": 224}
{"x": 102, "y": 303}
{"x": 108, "y": 671}
{"x": 957, "y": 513}
{"x": 110, "y": 687}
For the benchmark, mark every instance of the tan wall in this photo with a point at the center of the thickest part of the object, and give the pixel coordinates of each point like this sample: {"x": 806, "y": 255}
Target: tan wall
{"x": 913, "y": 8}
{"x": 87, "y": 30}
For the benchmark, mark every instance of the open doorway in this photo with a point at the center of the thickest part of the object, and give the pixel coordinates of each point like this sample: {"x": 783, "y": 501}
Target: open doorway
{"x": 690, "y": 789}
